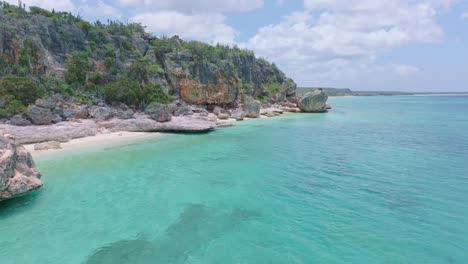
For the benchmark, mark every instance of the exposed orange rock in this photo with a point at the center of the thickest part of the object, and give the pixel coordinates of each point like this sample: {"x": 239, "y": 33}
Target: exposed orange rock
{"x": 194, "y": 92}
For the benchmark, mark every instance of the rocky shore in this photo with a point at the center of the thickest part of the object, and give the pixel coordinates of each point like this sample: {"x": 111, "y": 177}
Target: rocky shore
{"x": 52, "y": 121}
{"x": 59, "y": 120}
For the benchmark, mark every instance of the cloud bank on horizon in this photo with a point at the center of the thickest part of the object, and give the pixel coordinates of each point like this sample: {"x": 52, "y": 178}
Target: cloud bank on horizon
{"x": 366, "y": 45}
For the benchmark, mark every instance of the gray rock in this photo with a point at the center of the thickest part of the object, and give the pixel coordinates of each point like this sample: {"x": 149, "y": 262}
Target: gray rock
{"x": 48, "y": 145}
{"x": 159, "y": 112}
{"x": 101, "y": 113}
{"x": 124, "y": 114}
{"x": 179, "y": 108}
{"x": 223, "y": 116}
{"x": 252, "y": 109}
{"x": 217, "y": 110}
{"x": 80, "y": 112}
{"x": 225, "y": 123}
{"x": 49, "y": 102}
{"x": 62, "y": 132}
{"x": 314, "y": 102}
{"x": 183, "y": 111}
{"x": 18, "y": 174}
{"x": 238, "y": 114}
{"x": 142, "y": 123}
{"x": 41, "y": 116}
{"x": 19, "y": 120}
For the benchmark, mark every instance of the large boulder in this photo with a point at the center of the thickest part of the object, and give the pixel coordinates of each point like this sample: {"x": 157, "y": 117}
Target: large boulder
{"x": 49, "y": 102}
{"x": 159, "y": 112}
{"x": 18, "y": 174}
{"x": 314, "y": 102}
{"x": 238, "y": 114}
{"x": 252, "y": 109}
{"x": 101, "y": 113}
{"x": 124, "y": 114}
{"x": 19, "y": 120}
{"x": 41, "y": 116}
{"x": 180, "y": 108}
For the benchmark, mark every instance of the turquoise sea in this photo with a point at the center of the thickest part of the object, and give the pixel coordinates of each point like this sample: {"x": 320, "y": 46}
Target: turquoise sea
{"x": 376, "y": 180}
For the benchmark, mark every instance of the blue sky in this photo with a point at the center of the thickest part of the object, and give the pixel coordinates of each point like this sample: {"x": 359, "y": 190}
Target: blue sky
{"x": 406, "y": 45}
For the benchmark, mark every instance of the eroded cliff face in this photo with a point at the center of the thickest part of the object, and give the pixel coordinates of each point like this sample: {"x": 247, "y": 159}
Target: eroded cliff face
{"x": 197, "y": 74}
{"x": 199, "y": 80}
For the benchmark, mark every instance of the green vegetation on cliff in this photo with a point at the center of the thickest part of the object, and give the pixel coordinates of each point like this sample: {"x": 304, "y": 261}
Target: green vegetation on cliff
{"x": 56, "y": 52}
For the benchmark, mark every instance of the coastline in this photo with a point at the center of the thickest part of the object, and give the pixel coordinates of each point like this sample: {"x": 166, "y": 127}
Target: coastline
{"x": 119, "y": 137}
{"x": 96, "y": 140}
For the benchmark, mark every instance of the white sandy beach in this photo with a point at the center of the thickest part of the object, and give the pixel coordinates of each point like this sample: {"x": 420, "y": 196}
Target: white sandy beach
{"x": 99, "y": 139}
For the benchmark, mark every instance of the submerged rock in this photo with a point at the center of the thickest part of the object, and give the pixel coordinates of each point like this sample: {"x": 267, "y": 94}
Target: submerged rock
{"x": 159, "y": 112}
{"x": 48, "y": 145}
{"x": 18, "y": 174}
{"x": 314, "y": 102}
{"x": 252, "y": 109}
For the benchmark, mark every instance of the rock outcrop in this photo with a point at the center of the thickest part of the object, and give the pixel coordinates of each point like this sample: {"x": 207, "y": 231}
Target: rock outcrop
{"x": 42, "y": 116}
{"x": 193, "y": 123}
{"x": 252, "y": 109}
{"x": 158, "y": 112}
{"x": 18, "y": 174}
{"x": 314, "y": 102}
{"x": 62, "y": 132}
{"x": 101, "y": 113}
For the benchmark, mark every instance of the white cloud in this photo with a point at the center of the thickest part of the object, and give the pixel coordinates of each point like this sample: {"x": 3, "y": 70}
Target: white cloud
{"x": 61, "y": 5}
{"x": 204, "y": 6}
{"x": 464, "y": 16}
{"x": 206, "y": 27}
{"x": 336, "y": 39}
{"x": 101, "y": 9}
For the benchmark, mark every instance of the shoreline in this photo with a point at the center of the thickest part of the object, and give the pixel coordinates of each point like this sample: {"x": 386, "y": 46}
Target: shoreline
{"x": 96, "y": 140}
{"x": 101, "y": 139}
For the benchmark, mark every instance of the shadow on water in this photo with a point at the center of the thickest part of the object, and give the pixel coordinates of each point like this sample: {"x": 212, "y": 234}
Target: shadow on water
{"x": 19, "y": 204}
{"x": 196, "y": 226}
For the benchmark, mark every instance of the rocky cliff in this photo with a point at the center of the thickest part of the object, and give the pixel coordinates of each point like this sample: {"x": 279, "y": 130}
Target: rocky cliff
{"x": 56, "y": 52}
{"x": 18, "y": 174}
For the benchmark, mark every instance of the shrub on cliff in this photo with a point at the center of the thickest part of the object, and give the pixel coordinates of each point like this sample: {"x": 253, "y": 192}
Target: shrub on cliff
{"x": 78, "y": 65}
{"x": 20, "y": 88}
{"x": 132, "y": 93}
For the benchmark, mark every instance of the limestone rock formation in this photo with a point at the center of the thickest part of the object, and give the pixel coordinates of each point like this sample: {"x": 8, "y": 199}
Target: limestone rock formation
{"x": 238, "y": 114}
{"x": 19, "y": 120}
{"x": 62, "y": 132}
{"x": 101, "y": 113}
{"x": 252, "y": 109}
{"x": 314, "y": 102}
{"x": 18, "y": 174}
{"x": 42, "y": 116}
{"x": 158, "y": 112}
{"x": 141, "y": 123}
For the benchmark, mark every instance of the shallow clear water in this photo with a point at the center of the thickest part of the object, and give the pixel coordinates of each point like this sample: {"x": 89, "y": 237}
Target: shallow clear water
{"x": 376, "y": 180}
